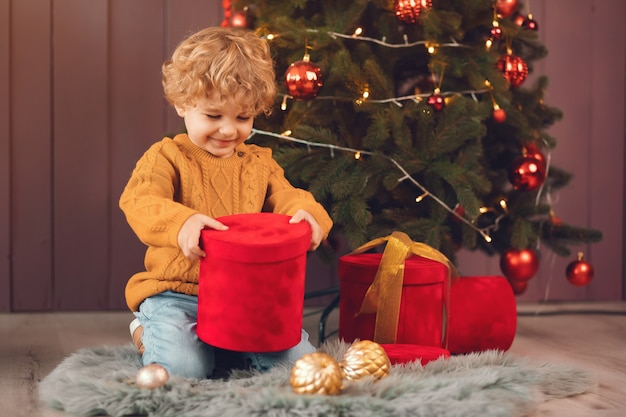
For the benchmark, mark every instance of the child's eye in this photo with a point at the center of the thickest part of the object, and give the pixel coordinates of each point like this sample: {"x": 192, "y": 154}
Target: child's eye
{"x": 213, "y": 116}
{"x": 243, "y": 118}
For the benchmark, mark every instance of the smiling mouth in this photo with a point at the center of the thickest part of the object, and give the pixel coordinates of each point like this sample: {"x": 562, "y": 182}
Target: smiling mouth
{"x": 222, "y": 142}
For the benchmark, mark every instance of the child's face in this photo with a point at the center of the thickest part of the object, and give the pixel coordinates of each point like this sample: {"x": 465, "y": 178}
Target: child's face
{"x": 216, "y": 128}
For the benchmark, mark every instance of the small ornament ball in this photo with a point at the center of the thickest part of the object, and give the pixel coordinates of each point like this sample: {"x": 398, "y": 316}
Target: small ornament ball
{"x": 239, "y": 20}
{"x": 519, "y": 19}
{"x": 527, "y": 173}
{"x": 365, "y": 358}
{"x": 303, "y": 80}
{"x": 519, "y": 264}
{"x": 152, "y": 376}
{"x": 498, "y": 115}
{"x": 409, "y": 10}
{"x": 579, "y": 272}
{"x": 436, "y": 101}
{"x": 530, "y": 23}
{"x": 519, "y": 287}
{"x": 531, "y": 150}
{"x": 506, "y": 8}
{"x": 513, "y": 68}
{"x": 316, "y": 373}
{"x": 496, "y": 32}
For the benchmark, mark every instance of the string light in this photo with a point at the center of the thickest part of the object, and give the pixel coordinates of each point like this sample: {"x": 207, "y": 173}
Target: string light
{"x": 395, "y": 100}
{"x": 357, "y": 155}
{"x": 452, "y": 44}
{"x": 432, "y": 48}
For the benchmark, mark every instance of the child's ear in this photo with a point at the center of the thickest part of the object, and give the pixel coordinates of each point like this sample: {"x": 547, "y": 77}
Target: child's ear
{"x": 180, "y": 111}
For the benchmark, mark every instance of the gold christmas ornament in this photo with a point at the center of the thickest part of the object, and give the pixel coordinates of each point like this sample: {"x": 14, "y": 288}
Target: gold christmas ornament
{"x": 316, "y": 373}
{"x": 365, "y": 358}
{"x": 152, "y": 376}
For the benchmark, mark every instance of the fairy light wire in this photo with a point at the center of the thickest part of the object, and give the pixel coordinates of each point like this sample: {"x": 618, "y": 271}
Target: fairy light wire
{"x": 355, "y": 151}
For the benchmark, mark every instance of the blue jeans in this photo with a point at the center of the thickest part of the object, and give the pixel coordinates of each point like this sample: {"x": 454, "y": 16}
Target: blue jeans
{"x": 169, "y": 338}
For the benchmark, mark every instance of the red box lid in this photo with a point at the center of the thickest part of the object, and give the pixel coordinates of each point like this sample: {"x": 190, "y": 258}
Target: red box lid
{"x": 403, "y": 353}
{"x": 417, "y": 269}
{"x": 257, "y": 238}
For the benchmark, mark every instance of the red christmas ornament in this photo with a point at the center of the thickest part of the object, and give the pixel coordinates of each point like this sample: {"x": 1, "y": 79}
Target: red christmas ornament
{"x": 519, "y": 287}
{"x": 496, "y": 32}
{"x": 239, "y": 20}
{"x": 531, "y": 150}
{"x": 459, "y": 213}
{"x": 527, "y": 173}
{"x": 303, "y": 79}
{"x": 579, "y": 272}
{"x": 498, "y": 115}
{"x": 228, "y": 12}
{"x": 409, "y": 10}
{"x": 518, "y": 18}
{"x": 513, "y": 68}
{"x": 519, "y": 265}
{"x": 436, "y": 101}
{"x": 506, "y": 8}
{"x": 530, "y": 23}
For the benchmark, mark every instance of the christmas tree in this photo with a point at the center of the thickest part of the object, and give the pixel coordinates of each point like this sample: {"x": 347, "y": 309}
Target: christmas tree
{"x": 417, "y": 116}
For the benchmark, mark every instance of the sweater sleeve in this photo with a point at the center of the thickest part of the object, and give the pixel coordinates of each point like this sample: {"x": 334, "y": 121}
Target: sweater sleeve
{"x": 148, "y": 201}
{"x": 284, "y": 198}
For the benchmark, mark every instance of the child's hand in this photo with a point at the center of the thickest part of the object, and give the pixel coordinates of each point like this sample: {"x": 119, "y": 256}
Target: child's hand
{"x": 189, "y": 234}
{"x": 317, "y": 234}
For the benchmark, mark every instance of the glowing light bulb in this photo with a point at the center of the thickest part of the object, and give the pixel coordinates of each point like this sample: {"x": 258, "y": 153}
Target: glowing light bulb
{"x": 421, "y": 197}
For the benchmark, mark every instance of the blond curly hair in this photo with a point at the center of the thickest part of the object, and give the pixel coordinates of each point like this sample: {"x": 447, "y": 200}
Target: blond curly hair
{"x": 221, "y": 62}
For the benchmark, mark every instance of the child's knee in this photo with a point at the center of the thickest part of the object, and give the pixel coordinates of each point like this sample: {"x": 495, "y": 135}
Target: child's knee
{"x": 188, "y": 363}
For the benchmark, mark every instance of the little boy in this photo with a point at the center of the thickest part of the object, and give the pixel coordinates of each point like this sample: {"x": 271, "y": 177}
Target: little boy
{"x": 218, "y": 80}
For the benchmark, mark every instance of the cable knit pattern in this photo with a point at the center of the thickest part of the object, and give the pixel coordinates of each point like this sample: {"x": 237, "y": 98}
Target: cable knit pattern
{"x": 175, "y": 179}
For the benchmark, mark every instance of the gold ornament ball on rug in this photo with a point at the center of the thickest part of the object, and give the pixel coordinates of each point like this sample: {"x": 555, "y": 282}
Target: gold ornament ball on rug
{"x": 152, "y": 376}
{"x": 316, "y": 373}
{"x": 365, "y": 358}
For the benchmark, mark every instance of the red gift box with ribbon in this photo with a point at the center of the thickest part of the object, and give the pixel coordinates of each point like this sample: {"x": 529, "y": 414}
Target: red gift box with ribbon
{"x": 251, "y": 283}
{"x": 398, "y": 297}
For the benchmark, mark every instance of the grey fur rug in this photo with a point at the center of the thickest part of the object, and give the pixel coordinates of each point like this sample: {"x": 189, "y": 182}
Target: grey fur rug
{"x": 98, "y": 381}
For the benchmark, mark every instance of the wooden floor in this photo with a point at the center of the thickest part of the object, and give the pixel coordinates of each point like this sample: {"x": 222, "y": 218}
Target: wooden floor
{"x": 32, "y": 345}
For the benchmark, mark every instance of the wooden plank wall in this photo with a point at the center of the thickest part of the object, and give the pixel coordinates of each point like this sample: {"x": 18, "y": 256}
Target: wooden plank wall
{"x": 5, "y": 219}
{"x": 81, "y": 100}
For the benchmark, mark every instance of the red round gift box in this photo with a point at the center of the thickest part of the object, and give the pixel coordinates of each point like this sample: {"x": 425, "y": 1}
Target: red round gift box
{"x": 483, "y": 315}
{"x": 422, "y": 315}
{"x": 251, "y": 283}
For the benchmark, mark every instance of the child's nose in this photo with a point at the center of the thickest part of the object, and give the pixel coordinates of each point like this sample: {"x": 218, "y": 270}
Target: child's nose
{"x": 228, "y": 129}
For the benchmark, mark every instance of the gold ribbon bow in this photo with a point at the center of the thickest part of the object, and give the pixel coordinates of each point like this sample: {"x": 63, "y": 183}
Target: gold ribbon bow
{"x": 384, "y": 294}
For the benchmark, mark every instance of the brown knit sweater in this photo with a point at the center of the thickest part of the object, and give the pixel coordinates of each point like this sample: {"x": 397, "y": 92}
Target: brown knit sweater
{"x": 175, "y": 179}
